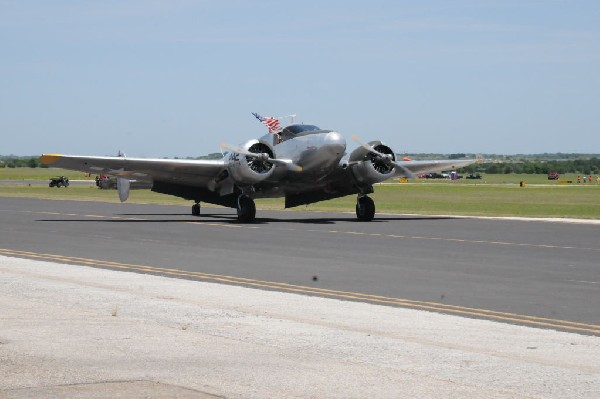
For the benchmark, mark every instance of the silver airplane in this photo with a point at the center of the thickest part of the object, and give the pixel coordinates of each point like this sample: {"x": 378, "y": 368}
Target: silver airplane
{"x": 303, "y": 163}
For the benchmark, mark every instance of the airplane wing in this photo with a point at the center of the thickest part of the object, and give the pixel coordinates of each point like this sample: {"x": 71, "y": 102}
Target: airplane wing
{"x": 197, "y": 173}
{"x": 419, "y": 167}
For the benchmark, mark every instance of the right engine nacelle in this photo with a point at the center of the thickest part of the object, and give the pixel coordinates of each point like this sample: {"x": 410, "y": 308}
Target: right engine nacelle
{"x": 369, "y": 168}
{"x": 246, "y": 171}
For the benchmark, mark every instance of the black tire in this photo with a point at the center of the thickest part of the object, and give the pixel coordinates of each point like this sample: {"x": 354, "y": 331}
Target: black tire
{"x": 246, "y": 209}
{"x": 196, "y": 209}
{"x": 51, "y": 185}
{"x": 365, "y": 209}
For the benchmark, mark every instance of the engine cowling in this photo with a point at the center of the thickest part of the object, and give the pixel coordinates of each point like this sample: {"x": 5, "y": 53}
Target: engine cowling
{"x": 369, "y": 168}
{"x": 246, "y": 170}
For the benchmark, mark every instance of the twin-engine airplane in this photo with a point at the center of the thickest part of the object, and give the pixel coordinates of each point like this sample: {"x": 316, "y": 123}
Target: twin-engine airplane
{"x": 303, "y": 163}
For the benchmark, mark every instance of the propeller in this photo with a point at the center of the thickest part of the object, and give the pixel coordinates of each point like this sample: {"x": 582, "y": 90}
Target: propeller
{"x": 263, "y": 157}
{"x": 388, "y": 159}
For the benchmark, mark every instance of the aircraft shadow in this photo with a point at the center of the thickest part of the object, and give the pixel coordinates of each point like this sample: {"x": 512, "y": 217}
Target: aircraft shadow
{"x": 153, "y": 214}
{"x": 332, "y": 220}
{"x": 232, "y": 219}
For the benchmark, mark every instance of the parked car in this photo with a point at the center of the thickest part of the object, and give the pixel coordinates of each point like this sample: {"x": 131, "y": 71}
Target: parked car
{"x": 474, "y": 176}
{"x": 436, "y": 176}
{"x": 60, "y": 181}
{"x": 553, "y": 175}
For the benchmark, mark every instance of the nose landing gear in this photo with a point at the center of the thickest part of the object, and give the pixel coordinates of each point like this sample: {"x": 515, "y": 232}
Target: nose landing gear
{"x": 365, "y": 209}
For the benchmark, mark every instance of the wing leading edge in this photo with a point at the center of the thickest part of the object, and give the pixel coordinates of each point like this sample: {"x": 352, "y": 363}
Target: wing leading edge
{"x": 419, "y": 167}
{"x": 192, "y": 172}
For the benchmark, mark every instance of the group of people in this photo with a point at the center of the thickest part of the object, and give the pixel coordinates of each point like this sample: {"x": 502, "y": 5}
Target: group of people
{"x": 587, "y": 179}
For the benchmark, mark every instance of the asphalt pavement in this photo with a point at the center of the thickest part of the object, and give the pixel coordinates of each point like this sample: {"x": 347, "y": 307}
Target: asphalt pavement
{"x": 113, "y": 300}
{"x": 545, "y": 275}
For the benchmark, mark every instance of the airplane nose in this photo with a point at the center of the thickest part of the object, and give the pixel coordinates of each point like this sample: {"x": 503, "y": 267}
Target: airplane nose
{"x": 335, "y": 143}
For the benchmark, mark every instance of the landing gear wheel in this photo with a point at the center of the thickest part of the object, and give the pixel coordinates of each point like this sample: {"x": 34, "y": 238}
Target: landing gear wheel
{"x": 365, "y": 209}
{"x": 196, "y": 209}
{"x": 246, "y": 209}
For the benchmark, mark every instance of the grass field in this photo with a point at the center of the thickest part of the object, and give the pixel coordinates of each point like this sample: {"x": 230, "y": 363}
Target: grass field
{"x": 495, "y": 195}
{"x": 40, "y": 174}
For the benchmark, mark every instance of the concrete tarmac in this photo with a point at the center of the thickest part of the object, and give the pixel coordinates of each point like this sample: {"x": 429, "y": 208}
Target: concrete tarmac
{"x": 539, "y": 274}
{"x": 81, "y": 332}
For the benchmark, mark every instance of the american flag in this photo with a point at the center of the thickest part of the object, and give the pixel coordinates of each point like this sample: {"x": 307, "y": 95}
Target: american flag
{"x": 270, "y": 122}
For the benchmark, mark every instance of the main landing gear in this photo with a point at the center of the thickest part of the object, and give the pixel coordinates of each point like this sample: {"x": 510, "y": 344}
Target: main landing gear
{"x": 196, "y": 209}
{"x": 365, "y": 208}
{"x": 246, "y": 210}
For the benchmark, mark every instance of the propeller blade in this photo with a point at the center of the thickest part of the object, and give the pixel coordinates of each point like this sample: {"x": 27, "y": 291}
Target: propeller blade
{"x": 384, "y": 157}
{"x": 281, "y": 162}
{"x": 407, "y": 172}
{"x": 240, "y": 150}
{"x": 367, "y": 147}
{"x": 287, "y": 163}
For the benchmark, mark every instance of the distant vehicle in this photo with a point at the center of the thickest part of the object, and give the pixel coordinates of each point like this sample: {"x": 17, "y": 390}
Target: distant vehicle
{"x": 106, "y": 183}
{"x": 436, "y": 176}
{"x": 474, "y": 176}
{"x": 99, "y": 179}
{"x": 553, "y": 175}
{"x": 60, "y": 181}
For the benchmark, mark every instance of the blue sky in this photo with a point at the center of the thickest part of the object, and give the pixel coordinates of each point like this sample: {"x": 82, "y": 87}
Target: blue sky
{"x": 177, "y": 78}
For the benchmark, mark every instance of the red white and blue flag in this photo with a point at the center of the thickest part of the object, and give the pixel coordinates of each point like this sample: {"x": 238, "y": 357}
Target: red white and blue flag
{"x": 270, "y": 122}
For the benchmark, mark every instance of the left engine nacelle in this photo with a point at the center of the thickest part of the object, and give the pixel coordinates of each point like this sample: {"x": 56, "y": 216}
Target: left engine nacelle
{"x": 369, "y": 168}
{"x": 245, "y": 170}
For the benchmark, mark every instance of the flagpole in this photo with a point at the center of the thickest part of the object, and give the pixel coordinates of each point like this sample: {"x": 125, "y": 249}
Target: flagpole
{"x": 291, "y": 116}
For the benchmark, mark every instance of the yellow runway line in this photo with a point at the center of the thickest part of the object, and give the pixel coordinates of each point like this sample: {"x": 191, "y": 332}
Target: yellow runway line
{"x": 377, "y": 299}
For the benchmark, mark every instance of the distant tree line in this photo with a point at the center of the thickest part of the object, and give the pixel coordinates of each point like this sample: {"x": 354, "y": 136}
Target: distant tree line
{"x": 584, "y": 166}
{"x": 21, "y": 162}
{"x": 589, "y": 166}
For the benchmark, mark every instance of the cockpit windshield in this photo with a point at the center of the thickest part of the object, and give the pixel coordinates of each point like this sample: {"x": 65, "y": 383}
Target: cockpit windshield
{"x": 299, "y": 130}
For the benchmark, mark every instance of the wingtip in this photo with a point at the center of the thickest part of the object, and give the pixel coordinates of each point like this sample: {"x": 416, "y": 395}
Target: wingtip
{"x": 49, "y": 159}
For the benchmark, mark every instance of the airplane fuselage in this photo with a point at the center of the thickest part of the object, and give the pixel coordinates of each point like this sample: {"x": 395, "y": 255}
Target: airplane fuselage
{"x": 315, "y": 153}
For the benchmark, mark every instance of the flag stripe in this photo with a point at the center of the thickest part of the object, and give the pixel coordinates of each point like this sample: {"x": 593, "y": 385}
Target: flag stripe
{"x": 270, "y": 122}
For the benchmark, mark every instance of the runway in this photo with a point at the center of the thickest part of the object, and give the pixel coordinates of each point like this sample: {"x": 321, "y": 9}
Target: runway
{"x": 544, "y": 275}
